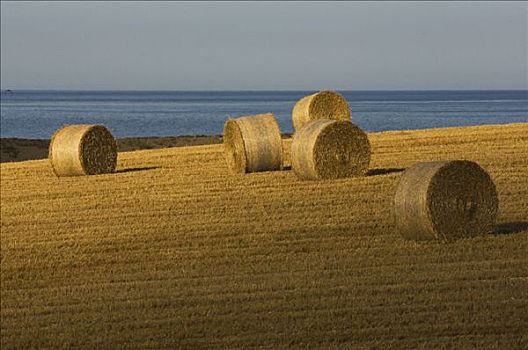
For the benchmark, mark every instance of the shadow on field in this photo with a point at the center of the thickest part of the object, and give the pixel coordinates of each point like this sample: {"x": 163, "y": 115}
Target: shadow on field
{"x": 384, "y": 171}
{"x": 371, "y": 172}
{"x": 127, "y": 170}
{"x": 510, "y": 227}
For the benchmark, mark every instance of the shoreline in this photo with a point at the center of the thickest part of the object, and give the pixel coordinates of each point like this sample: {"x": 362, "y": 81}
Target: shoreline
{"x": 20, "y": 149}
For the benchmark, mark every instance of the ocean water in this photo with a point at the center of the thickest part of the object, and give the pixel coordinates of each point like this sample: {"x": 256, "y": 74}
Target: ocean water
{"x": 37, "y": 114}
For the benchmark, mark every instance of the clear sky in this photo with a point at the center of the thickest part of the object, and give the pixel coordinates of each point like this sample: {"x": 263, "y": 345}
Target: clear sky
{"x": 264, "y": 45}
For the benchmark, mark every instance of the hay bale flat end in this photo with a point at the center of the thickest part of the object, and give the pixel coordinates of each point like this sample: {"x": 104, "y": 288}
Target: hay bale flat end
{"x": 82, "y": 149}
{"x": 330, "y": 149}
{"x": 445, "y": 200}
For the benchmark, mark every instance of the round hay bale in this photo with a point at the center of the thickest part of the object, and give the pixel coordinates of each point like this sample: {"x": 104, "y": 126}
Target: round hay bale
{"x": 83, "y": 150}
{"x": 330, "y": 149}
{"x": 253, "y": 143}
{"x": 321, "y": 105}
{"x": 445, "y": 200}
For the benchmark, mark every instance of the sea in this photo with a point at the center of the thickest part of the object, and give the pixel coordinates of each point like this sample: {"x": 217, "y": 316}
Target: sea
{"x": 37, "y": 114}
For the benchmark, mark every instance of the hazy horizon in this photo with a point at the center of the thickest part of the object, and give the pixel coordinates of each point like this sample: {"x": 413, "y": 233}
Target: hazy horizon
{"x": 264, "y": 46}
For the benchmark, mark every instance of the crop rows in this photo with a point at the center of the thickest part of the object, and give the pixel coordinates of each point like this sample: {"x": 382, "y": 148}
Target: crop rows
{"x": 174, "y": 252}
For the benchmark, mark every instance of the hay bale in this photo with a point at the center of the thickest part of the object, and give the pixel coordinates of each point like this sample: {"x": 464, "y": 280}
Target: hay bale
{"x": 321, "y": 105}
{"x": 82, "y": 150}
{"x": 253, "y": 143}
{"x": 330, "y": 149}
{"x": 445, "y": 200}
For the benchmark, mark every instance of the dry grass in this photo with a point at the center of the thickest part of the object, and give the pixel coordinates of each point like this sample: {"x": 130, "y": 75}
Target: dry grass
{"x": 173, "y": 252}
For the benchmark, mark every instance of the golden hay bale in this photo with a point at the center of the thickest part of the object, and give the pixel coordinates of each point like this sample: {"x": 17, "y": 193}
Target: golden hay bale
{"x": 82, "y": 150}
{"x": 321, "y": 105}
{"x": 445, "y": 200}
{"x": 330, "y": 149}
{"x": 253, "y": 143}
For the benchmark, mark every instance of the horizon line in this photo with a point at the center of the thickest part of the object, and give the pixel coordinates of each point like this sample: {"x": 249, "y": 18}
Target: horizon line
{"x": 243, "y": 90}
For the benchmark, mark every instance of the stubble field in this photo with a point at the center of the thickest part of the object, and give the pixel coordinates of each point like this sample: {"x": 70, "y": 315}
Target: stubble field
{"x": 173, "y": 252}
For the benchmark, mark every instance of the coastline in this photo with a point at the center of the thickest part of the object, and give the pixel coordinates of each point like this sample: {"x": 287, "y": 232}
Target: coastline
{"x": 22, "y": 149}
{"x": 19, "y": 149}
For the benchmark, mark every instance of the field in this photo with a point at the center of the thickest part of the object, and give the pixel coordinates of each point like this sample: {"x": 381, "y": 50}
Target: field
{"x": 173, "y": 252}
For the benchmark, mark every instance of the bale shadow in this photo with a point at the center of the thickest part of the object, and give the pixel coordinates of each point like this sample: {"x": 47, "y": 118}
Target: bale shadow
{"x": 371, "y": 172}
{"x": 127, "y": 170}
{"x": 510, "y": 227}
{"x": 384, "y": 171}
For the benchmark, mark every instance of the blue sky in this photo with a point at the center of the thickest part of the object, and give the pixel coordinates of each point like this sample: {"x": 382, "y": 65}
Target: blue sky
{"x": 264, "y": 45}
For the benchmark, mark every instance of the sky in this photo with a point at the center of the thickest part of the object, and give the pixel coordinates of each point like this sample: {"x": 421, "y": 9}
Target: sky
{"x": 264, "y": 45}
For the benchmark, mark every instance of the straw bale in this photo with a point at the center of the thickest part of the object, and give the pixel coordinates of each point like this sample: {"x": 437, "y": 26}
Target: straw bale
{"x": 253, "y": 143}
{"x": 445, "y": 200}
{"x": 321, "y": 105}
{"x": 330, "y": 149}
{"x": 83, "y": 150}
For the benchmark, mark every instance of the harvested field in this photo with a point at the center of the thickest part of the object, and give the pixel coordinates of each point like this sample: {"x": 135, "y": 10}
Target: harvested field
{"x": 174, "y": 252}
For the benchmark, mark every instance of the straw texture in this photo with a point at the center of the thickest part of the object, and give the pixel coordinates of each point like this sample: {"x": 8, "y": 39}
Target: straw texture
{"x": 445, "y": 200}
{"x": 83, "y": 150}
{"x": 252, "y": 144}
{"x": 321, "y": 105}
{"x": 330, "y": 149}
